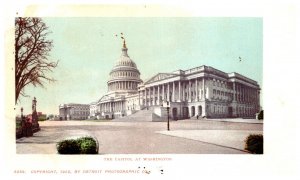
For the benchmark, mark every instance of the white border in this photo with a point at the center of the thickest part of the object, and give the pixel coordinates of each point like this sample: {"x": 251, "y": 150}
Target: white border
{"x": 280, "y": 80}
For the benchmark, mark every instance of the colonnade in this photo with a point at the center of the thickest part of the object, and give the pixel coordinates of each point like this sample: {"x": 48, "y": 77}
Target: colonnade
{"x": 122, "y": 85}
{"x": 176, "y": 91}
{"x": 116, "y": 106}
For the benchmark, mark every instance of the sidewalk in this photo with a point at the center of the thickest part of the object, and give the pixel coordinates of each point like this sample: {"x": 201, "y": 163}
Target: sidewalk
{"x": 233, "y": 139}
{"x": 239, "y": 120}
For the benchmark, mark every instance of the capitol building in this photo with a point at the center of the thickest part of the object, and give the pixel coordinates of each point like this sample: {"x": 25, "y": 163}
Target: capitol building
{"x": 193, "y": 93}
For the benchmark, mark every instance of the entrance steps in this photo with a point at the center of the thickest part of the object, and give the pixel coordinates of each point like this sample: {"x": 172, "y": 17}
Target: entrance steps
{"x": 142, "y": 115}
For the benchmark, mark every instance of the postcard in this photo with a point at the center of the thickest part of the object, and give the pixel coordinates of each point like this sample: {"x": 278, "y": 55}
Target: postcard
{"x": 138, "y": 91}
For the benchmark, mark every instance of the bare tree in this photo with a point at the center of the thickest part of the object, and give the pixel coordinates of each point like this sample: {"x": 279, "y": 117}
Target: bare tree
{"x": 31, "y": 54}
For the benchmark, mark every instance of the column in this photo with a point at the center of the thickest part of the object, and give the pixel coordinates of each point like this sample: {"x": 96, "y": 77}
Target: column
{"x": 163, "y": 92}
{"x": 247, "y": 94}
{"x": 196, "y": 89}
{"x": 179, "y": 90}
{"x": 234, "y": 92}
{"x": 168, "y": 92}
{"x": 189, "y": 94}
{"x": 173, "y": 92}
{"x": 149, "y": 96}
{"x": 146, "y": 97}
{"x": 237, "y": 93}
{"x": 258, "y": 100}
{"x": 139, "y": 98}
{"x": 153, "y": 99}
{"x": 243, "y": 93}
{"x": 183, "y": 91}
{"x": 158, "y": 95}
{"x": 203, "y": 88}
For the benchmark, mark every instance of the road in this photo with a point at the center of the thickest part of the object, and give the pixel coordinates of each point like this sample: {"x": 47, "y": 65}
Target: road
{"x": 185, "y": 137}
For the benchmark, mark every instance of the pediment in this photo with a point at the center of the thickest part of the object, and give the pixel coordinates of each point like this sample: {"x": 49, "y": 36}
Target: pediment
{"x": 159, "y": 77}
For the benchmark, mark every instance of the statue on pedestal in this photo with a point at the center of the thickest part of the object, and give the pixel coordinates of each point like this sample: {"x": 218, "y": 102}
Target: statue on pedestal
{"x": 35, "y": 123}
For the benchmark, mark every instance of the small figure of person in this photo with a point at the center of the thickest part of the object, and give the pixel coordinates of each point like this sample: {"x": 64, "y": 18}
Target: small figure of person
{"x": 197, "y": 116}
{"x": 23, "y": 126}
{"x": 28, "y": 128}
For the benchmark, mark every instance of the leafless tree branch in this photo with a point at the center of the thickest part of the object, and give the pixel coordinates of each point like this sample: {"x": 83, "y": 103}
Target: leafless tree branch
{"x": 31, "y": 54}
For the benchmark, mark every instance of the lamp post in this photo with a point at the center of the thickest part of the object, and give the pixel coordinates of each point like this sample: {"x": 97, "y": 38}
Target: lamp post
{"x": 21, "y": 113}
{"x": 167, "y": 105}
{"x": 168, "y": 109}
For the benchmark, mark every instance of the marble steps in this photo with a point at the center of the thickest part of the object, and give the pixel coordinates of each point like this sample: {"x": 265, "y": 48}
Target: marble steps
{"x": 142, "y": 115}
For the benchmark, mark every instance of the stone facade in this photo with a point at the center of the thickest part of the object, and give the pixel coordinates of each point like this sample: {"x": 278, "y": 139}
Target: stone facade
{"x": 74, "y": 111}
{"x": 202, "y": 91}
{"x": 198, "y": 92}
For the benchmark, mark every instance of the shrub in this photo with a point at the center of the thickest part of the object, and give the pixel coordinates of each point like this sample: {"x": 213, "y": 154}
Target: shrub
{"x": 42, "y": 117}
{"x": 88, "y": 145}
{"x": 69, "y": 146}
{"x": 83, "y": 145}
{"x": 18, "y": 124}
{"x": 254, "y": 143}
{"x": 260, "y": 115}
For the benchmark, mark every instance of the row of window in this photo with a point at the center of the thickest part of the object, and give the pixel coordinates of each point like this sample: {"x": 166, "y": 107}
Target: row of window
{"x": 221, "y": 94}
{"x": 245, "y": 111}
{"x": 219, "y": 109}
{"x": 81, "y": 113}
{"x": 124, "y": 63}
{"x": 84, "y": 108}
{"x": 123, "y": 85}
{"x": 124, "y": 73}
{"x": 219, "y": 83}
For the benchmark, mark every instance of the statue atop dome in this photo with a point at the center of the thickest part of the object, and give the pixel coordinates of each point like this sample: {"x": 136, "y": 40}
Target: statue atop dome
{"x": 124, "y": 41}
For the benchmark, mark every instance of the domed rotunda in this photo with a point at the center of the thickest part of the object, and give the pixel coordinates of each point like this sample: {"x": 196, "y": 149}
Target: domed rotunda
{"x": 124, "y": 77}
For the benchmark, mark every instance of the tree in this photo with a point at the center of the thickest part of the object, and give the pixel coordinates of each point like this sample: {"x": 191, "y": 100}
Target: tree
{"x": 31, "y": 54}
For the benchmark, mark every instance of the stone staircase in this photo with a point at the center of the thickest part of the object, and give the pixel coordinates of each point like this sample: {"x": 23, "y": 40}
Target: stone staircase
{"x": 142, "y": 115}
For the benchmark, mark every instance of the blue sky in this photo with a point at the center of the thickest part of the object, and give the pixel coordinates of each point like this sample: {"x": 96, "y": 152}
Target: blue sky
{"x": 87, "y": 49}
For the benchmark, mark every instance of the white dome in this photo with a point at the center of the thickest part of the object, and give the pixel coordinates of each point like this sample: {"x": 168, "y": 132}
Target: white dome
{"x": 124, "y": 76}
{"x": 125, "y": 61}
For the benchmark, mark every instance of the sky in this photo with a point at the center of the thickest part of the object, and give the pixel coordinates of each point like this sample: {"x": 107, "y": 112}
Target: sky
{"x": 87, "y": 49}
